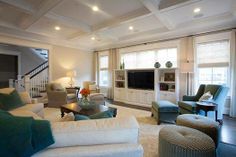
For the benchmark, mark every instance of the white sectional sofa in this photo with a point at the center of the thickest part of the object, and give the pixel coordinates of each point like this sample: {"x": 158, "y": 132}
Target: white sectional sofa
{"x": 114, "y": 137}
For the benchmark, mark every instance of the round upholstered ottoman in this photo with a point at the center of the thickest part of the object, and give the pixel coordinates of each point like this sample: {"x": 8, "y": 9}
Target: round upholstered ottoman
{"x": 179, "y": 141}
{"x": 201, "y": 123}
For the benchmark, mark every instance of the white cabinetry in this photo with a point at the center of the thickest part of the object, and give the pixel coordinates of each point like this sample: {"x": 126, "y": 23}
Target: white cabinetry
{"x": 166, "y": 88}
{"x": 131, "y": 96}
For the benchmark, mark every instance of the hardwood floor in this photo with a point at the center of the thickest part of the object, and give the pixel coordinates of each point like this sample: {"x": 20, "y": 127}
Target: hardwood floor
{"x": 228, "y": 131}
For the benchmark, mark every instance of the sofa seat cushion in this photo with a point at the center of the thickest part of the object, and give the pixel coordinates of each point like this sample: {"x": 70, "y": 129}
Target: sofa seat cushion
{"x": 23, "y": 113}
{"x": 165, "y": 106}
{"x": 188, "y": 105}
{"x": 32, "y": 107}
{"x": 71, "y": 96}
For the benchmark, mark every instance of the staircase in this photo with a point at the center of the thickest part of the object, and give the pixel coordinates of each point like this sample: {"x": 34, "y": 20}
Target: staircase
{"x": 33, "y": 82}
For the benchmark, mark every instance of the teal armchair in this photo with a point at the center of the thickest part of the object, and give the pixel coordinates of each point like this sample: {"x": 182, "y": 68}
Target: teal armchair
{"x": 219, "y": 92}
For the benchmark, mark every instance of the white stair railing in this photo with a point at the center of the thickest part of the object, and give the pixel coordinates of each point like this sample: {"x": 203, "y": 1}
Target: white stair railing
{"x": 33, "y": 82}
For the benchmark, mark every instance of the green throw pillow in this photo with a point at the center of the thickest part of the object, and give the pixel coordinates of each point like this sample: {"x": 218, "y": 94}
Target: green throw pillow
{"x": 105, "y": 114}
{"x": 10, "y": 101}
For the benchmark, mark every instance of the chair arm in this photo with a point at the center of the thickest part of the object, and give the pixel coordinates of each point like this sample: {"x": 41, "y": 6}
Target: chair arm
{"x": 94, "y": 132}
{"x": 189, "y": 98}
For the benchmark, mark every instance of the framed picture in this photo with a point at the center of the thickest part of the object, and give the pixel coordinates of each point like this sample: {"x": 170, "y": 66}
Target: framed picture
{"x": 169, "y": 76}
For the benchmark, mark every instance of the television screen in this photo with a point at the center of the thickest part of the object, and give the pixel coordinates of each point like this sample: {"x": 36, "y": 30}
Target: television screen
{"x": 138, "y": 79}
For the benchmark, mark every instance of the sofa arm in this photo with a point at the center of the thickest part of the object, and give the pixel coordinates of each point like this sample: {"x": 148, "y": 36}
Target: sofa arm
{"x": 93, "y": 132}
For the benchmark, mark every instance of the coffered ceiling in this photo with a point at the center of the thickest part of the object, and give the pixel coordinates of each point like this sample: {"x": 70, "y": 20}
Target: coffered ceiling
{"x": 98, "y": 24}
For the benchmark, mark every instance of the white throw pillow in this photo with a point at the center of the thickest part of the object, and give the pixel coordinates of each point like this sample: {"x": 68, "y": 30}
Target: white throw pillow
{"x": 25, "y": 97}
{"x": 207, "y": 96}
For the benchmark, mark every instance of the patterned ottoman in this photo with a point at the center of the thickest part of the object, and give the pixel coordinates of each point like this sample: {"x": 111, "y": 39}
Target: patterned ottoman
{"x": 179, "y": 141}
{"x": 201, "y": 123}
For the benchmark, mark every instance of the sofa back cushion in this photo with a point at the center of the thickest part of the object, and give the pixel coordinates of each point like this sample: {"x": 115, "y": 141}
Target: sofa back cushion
{"x": 10, "y": 99}
{"x": 57, "y": 87}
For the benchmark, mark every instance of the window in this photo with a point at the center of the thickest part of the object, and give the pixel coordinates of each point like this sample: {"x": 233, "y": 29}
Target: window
{"x": 147, "y": 59}
{"x": 213, "y": 62}
{"x": 103, "y": 70}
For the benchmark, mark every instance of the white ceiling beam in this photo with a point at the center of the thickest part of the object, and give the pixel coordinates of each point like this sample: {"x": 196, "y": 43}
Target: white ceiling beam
{"x": 134, "y": 15}
{"x": 44, "y": 8}
{"x": 131, "y": 16}
{"x": 19, "y": 5}
{"x": 152, "y": 5}
{"x": 68, "y": 21}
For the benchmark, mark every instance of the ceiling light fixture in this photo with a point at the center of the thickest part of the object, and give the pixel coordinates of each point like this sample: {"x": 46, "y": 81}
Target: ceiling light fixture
{"x": 196, "y": 10}
{"x": 57, "y": 28}
{"x": 93, "y": 38}
{"x": 131, "y": 27}
{"x": 95, "y": 8}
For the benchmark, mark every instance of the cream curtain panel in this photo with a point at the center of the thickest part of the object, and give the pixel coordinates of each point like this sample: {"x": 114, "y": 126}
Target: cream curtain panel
{"x": 96, "y": 67}
{"x": 233, "y": 73}
{"x": 112, "y": 65}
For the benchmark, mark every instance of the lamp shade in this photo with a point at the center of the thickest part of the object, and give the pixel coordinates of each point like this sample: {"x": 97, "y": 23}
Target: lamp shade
{"x": 71, "y": 73}
{"x": 187, "y": 67}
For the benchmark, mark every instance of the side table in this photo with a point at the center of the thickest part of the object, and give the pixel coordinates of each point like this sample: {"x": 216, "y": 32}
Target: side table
{"x": 76, "y": 89}
{"x": 207, "y": 106}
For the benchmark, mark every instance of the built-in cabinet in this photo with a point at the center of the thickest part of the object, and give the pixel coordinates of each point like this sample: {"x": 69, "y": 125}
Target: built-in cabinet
{"x": 167, "y": 81}
{"x": 165, "y": 88}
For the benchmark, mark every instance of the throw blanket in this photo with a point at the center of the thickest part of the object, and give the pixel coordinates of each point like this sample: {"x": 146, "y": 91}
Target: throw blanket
{"x": 23, "y": 136}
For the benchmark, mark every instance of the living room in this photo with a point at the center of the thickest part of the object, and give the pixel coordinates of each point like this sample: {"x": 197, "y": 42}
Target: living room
{"x": 141, "y": 60}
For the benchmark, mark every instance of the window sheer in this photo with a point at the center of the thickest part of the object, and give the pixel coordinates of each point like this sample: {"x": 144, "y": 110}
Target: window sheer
{"x": 213, "y": 62}
{"x": 103, "y": 70}
{"x": 147, "y": 59}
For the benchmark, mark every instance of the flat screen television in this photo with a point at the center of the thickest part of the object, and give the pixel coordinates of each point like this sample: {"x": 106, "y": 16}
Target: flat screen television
{"x": 141, "y": 79}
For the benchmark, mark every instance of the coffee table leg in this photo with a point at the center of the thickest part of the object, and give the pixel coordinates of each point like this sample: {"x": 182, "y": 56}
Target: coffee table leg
{"x": 62, "y": 113}
{"x": 216, "y": 115}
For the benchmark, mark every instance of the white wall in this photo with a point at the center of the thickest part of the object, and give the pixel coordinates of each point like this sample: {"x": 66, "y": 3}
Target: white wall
{"x": 61, "y": 59}
{"x": 29, "y": 60}
{"x": 66, "y": 59}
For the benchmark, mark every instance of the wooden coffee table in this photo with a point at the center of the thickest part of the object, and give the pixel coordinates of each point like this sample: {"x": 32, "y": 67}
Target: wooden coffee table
{"x": 77, "y": 109}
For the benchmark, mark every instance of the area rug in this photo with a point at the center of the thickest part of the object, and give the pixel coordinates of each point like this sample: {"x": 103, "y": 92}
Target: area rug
{"x": 149, "y": 131}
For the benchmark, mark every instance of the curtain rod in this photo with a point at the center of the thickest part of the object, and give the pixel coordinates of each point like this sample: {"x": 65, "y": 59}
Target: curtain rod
{"x": 164, "y": 40}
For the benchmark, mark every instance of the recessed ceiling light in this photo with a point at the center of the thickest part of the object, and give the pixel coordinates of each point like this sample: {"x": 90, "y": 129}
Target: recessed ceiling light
{"x": 57, "y": 28}
{"x": 196, "y": 10}
{"x": 95, "y": 8}
{"x": 131, "y": 27}
{"x": 93, "y": 38}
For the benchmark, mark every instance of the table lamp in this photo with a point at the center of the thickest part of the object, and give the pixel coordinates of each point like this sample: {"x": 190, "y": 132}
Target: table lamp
{"x": 71, "y": 74}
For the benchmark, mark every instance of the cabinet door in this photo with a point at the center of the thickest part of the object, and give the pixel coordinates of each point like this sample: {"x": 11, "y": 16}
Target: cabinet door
{"x": 119, "y": 94}
{"x": 131, "y": 96}
{"x": 168, "y": 96}
{"x": 150, "y": 98}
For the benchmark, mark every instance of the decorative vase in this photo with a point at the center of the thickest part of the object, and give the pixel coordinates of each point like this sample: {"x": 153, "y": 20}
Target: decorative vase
{"x": 85, "y": 99}
{"x": 157, "y": 65}
{"x": 169, "y": 64}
